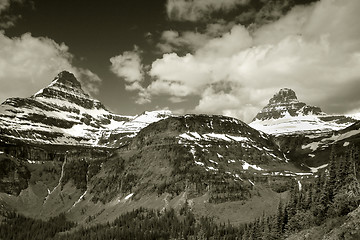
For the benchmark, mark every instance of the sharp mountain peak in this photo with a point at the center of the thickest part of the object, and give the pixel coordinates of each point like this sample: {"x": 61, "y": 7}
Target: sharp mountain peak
{"x": 286, "y": 114}
{"x": 285, "y": 103}
{"x": 63, "y": 85}
{"x": 285, "y": 95}
{"x": 62, "y": 113}
{"x": 68, "y": 79}
{"x": 66, "y": 88}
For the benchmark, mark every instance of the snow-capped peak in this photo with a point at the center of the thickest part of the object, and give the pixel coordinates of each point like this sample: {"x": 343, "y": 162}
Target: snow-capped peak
{"x": 286, "y": 104}
{"x": 62, "y": 113}
{"x": 151, "y": 116}
{"x": 286, "y": 114}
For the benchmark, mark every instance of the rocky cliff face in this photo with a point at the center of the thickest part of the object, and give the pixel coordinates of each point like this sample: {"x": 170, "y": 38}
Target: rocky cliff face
{"x": 203, "y": 132}
{"x": 64, "y": 114}
{"x": 14, "y": 175}
{"x": 285, "y": 114}
{"x": 195, "y": 153}
{"x": 67, "y": 89}
{"x": 285, "y": 103}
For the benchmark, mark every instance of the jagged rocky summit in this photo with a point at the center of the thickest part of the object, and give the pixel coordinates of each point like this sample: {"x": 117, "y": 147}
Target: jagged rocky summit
{"x": 285, "y": 114}
{"x": 66, "y": 88}
{"x": 285, "y": 104}
{"x": 63, "y": 114}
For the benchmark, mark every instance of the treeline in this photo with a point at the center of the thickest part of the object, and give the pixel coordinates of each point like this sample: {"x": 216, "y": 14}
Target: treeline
{"x": 333, "y": 194}
{"x": 153, "y": 224}
{"x": 15, "y": 226}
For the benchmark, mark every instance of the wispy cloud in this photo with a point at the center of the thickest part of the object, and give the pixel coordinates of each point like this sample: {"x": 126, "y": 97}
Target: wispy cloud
{"x": 174, "y": 41}
{"x": 272, "y": 10}
{"x": 90, "y": 81}
{"x": 8, "y": 20}
{"x": 197, "y": 10}
{"x": 4, "y": 4}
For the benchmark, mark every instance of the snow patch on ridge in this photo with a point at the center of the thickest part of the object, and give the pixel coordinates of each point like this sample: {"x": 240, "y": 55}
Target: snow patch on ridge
{"x": 213, "y": 162}
{"x": 316, "y": 169}
{"x": 313, "y": 146}
{"x": 199, "y": 163}
{"x": 129, "y": 196}
{"x": 246, "y": 166}
{"x": 347, "y": 135}
{"x": 194, "y": 136}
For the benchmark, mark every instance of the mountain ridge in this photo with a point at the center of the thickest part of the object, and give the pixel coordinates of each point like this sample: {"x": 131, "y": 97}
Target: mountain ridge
{"x": 285, "y": 103}
{"x": 62, "y": 113}
{"x": 285, "y": 114}
{"x": 66, "y": 87}
{"x": 208, "y": 160}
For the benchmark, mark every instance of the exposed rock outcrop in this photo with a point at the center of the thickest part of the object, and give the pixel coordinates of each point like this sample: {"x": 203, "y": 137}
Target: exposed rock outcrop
{"x": 285, "y": 103}
{"x": 285, "y": 114}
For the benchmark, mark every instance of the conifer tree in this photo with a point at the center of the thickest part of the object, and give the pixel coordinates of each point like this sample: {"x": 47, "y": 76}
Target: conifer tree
{"x": 331, "y": 179}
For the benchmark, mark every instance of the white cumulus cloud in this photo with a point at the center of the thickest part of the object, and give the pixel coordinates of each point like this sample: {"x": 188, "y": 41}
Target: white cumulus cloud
{"x": 313, "y": 49}
{"x": 29, "y": 63}
{"x": 129, "y": 67}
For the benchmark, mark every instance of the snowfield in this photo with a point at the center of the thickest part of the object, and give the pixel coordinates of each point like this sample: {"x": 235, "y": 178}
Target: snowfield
{"x": 289, "y": 124}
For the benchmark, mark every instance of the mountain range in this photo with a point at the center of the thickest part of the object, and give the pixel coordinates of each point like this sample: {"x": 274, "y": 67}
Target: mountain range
{"x": 61, "y": 151}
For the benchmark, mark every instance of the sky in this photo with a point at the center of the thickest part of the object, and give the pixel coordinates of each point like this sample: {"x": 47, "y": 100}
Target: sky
{"x": 224, "y": 57}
